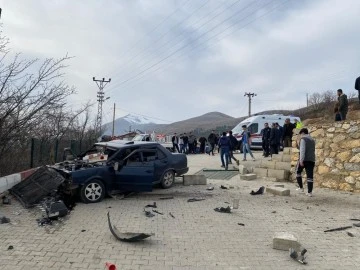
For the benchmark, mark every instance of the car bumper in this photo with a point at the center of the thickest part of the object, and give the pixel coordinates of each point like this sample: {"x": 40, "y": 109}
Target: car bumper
{"x": 182, "y": 171}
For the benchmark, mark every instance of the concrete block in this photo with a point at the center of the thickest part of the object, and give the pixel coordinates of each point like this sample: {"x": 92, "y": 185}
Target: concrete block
{"x": 287, "y": 150}
{"x": 249, "y": 176}
{"x": 277, "y": 157}
{"x": 278, "y": 191}
{"x": 282, "y": 175}
{"x": 285, "y": 241}
{"x": 280, "y": 165}
{"x": 262, "y": 172}
{"x": 243, "y": 169}
{"x": 272, "y": 179}
{"x": 286, "y": 158}
{"x": 194, "y": 180}
{"x": 268, "y": 164}
{"x": 279, "y": 186}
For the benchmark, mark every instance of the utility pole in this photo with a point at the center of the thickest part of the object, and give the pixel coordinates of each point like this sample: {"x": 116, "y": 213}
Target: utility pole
{"x": 250, "y": 95}
{"x": 101, "y": 98}
{"x": 113, "y": 127}
{"x": 307, "y": 99}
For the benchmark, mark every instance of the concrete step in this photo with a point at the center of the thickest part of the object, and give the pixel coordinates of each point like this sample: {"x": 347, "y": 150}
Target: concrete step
{"x": 279, "y": 175}
{"x": 248, "y": 176}
{"x": 282, "y": 157}
{"x": 280, "y": 191}
{"x": 279, "y": 165}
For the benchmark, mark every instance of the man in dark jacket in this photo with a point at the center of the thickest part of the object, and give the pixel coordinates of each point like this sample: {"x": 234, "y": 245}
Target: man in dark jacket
{"x": 224, "y": 145}
{"x": 212, "y": 140}
{"x": 357, "y": 86}
{"x": 191, "y": 143}
{"x": 343, "y": 104}
{"x": 265, "y": 136}
{"x": 288, "y": 133}
{"x": 175, "y": 142}
{"x": 233, "y": 145}
{"x": 186, "y": 143}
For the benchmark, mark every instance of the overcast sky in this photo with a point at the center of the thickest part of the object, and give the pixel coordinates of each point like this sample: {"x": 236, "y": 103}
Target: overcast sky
{"x": 176, "y": 59}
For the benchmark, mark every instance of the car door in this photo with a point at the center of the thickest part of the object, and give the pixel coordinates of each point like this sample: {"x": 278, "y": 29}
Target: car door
{"x": 161, "y": 165}
{"x": 135, "y": 173}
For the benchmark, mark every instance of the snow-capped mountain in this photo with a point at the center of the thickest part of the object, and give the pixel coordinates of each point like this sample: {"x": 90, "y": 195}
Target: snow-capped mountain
{"x": 130, "y": 122}
{"x": 137, "y": 119}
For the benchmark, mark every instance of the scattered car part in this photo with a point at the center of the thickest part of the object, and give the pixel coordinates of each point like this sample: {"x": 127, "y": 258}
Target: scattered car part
{"x": 126, "y": 237}
{"x": 43, "y": 182}
{"x": 148, "y": 213}
{"x": 4, "y": 220}
{"x": 166, "y": 198}
{"x": 223, "y": 209}
{"x": 339, "y": 229}
{"x": 223, "y": 187}
{"x": 259, "y": 192}
{"x": 355, "y": 219}
{"x": 171, "y": 215}
{"x": 356, "y": 224}
{"x": 110, "y": 266}
{"x": 350, "y": 234}
{"x": 168, "y": 179}
{"x": 93, "y": 191}
{"x": 152, "y": 205}
{"x": 241, "y": 224}
{"x": 195, "y": 199}
{"x": 83, "y": 230}
{"x": 157, "y": 212}
{"x": 210, "y": 188}
{"x": 6, "y": 200}
{"x": 44, "y": 221}
{"x": 10, "y": 247}
{"x": 299, "y": 258}
{"x": 55, "y": 209}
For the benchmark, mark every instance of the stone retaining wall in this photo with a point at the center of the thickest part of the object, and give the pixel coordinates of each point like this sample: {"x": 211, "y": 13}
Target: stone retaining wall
{"x": 337, "y": 155}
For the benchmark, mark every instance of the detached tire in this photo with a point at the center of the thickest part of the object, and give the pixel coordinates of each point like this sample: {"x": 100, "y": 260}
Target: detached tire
{"x": 167, "y": 179}
{"x": 92, "y": 192}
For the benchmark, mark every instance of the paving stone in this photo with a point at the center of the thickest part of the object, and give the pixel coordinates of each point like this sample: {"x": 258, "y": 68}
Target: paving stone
{"x": 262, "y": 172}
{"x": 249, "y": 176}
{"x": 279, "y": 174}
{"x": 286, "y": 158}
{"x": 287, "y": 150}
{"x": 243, "y": 169}
{"x": 285, "y": 241}
{"x": 278, "y": 191}
{"x": 194, "y": 180}
{"x": 268, "y": 164}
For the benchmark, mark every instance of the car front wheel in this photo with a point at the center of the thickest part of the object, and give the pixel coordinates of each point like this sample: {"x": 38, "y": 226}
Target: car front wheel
{"x": 168, "y": 179}
{"x": 92, "y": 192}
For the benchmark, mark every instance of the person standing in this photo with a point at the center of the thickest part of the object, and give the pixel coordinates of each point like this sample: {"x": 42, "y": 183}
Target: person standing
{"x": 306, "y": 161}
{"x": 343, "y": 104}
{"x": 191, "y": 143}
{"x": 281, "y": 131}
{"x": 224, "y": 145}
{"x": 186, "y": 143}
{"x": 181, "y": 143}
{"x": 265, "y": 136}
{"x": 175, "y": 142}
{"x": 212, "y": 141}
{"x": 246, "y": 142}
{"x": 202, "y": 141}
{"x": 298, "y": 124}
{"x": 336, "y": 111}
{"x": 274, "y": 139}
{"x": 357, "y": 86}
{"x": 233, "y": 146}
{"x": 288, "y": 133}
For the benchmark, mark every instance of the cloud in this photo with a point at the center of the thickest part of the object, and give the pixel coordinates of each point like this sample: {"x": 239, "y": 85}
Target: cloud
{"x": 178, "y": 59}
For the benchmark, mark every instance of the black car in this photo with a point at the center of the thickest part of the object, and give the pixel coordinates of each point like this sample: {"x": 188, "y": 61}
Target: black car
{"x": 135, "y": 166}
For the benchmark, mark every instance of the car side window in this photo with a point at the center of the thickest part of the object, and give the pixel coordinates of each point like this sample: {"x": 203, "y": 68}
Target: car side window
{"x": 149, "y": 155}
{"x": 134, "y": 160}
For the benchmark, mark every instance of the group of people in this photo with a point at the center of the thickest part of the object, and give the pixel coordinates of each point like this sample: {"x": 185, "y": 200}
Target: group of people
{"x": 278, "y": 136}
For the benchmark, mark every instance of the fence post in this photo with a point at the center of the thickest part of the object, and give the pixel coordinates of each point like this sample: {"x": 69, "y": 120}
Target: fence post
{"x": 32, "y": 153}
{"x": 56, "y": 150}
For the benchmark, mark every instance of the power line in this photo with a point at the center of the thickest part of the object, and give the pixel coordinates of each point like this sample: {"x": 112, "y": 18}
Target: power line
{"x": 187, "y": 45}
{"x": 250, "y": 96}
{"x": 100, "y": 98}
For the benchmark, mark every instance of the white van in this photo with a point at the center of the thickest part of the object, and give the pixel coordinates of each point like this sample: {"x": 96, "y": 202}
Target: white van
{"x": 256, "y": 123}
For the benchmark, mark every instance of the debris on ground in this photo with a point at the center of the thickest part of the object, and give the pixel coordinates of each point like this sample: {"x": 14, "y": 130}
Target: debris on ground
{"x": 273, "y": 212}
{"x": 297, "y": 209}
{"x": 241, "y": 224}
{"x": 350, "y": 234}
{"x": 157, "y": 212}
{"x": 298, "y": 257}
{"x": 152, "y": 205}
{"x": 355, "y": 219}
{"x": 128, "y": 236}
{"x": 338, "y": 229}
{"x": 223, "y": 209}
{"x": 171, "y": 215}
{"x": 44, "y": 182}
{"x": 356, "y": 224}
{"x": 210, "y": 188}
{"x": 6, "y": 200}
{"x": 166, "y": 198}
{"x": 44, "y": 221}
{"x": 10, "y": 247}
{"x": 195, "y": 199}
{"x": 4, "y": 220}
{"x": 110, "y": 266}
{"x": 83, "y": 230}
{"x": 148, "y": 213}
{"x": 259, "y": 192}
{"x": 223, "y": 187}
{"x": 54, "y": 209}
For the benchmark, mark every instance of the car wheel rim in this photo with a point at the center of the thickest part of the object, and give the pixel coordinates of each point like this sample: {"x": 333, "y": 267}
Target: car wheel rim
{"x": 93, "y": 192}
{"x": 168, "y": 178}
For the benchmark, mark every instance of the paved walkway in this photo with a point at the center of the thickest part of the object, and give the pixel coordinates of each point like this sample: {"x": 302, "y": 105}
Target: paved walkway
{"x": 197, "y": 238}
